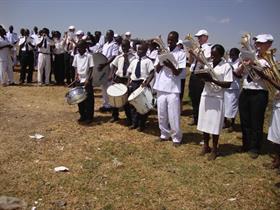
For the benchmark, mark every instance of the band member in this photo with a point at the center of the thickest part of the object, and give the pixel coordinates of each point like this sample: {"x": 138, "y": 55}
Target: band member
{"x": 5, "y": 56}
{"x": 13, "y": 39}
{"x": 110, "y": 50}
{"x": 26, "y": 49}
{"x": 69, "y": 36}
{"x": 119, "y": 74}
{"x": 59, "y": 52}
{"x": 232, "y": 93}
{"x": 253, "y": 101}
{"x": 83, "y": 64}
{"x": 183, "y": 74}
{"x": 168, "y": 87}
{"x": 196, "y": 84}
{"x": 211, "y": 108}
{"x": 45, "y": 45}
{"x": 141, "y": 72}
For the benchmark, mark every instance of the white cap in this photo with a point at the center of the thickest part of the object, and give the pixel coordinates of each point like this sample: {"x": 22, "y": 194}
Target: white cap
{"x": 201, "y": 32}
{"x": 80, "y": 32}
{"x": 127, "y": 33}
{"x": 261, "y": 38}
{"x": 269, "y": 37}
{"x": 116, "y": 35}
{"x": 71, "y": 27}
{"x": 180, "y": 41}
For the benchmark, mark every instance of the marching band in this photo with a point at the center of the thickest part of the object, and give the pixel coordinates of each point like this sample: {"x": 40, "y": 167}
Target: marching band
{"x": 150, "y": 71}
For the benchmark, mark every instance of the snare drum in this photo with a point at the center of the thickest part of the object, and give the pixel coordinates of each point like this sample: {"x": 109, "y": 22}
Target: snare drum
{"x": 142, "y": 99}
{"x": 117, "y": 95}
{"x": 76, "y": 95}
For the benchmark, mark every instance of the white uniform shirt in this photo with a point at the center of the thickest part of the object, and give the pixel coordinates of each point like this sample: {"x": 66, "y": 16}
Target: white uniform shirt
{"x": 235, "y": 85}
{"x": 145, "y": 68}
{"x": 152, "y": 54}
{"x": 13, "y": 39}
{"x": 255, "y": 85}
{"x": 118, "y": 62}
{"x": 183, "y": 73}
{"x": 110, "y": 49}
{"x": 95, "y": 49}
{"x": 206, "y": 49}
{"x": 42, "y": 49}
{"x": 5, "y": 53}
{"x": 223, "y": 72}
{"x": 59, "y": 46}
{"x": 28, "y": 39}
{"x": 82, "y": 63}
{"x": 166, "y": 81}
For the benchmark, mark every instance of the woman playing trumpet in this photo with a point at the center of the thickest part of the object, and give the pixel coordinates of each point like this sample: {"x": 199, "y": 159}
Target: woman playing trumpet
{"x": 211, "y": 108}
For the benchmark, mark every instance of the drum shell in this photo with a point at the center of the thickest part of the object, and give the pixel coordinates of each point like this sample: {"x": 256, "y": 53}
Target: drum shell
{"x": 142, "y": 99}
{"x": 76, "y": 95}
{"x": 117, "y": 94}
{"x": 99, "y": 77}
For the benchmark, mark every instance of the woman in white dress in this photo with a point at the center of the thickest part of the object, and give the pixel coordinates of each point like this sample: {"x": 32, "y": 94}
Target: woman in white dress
{"x": 211, "y": 108}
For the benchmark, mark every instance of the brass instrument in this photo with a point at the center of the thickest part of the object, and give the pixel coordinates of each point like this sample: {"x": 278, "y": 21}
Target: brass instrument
{"x": 193, "y": 45}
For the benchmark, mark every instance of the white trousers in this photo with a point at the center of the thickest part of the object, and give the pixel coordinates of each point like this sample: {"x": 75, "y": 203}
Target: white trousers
{"x": 6, "y": 68}
{"x": 168, "y": 105}
{"x": 44, "y": 62}
{"x": 105, "y": 96}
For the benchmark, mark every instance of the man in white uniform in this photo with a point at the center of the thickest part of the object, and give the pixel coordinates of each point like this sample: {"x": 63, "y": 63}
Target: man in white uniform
{"x": 168, "y": 87}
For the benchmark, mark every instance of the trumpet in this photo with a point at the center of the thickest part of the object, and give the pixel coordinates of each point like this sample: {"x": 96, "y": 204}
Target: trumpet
{"x": 193, "y": 45}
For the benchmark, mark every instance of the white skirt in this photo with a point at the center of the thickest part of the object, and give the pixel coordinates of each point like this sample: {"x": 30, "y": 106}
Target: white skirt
{"x": 211, "y": 115}
{"x": 231, "y": 102}
{"x": 274, "y": 128}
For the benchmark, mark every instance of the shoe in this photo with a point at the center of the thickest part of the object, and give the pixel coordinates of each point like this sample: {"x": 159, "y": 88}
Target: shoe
{"x": 104, "y": 109}
{"x": 113, "y": 120}
{"x": 87, "y": 122}
{"x": 140, "y": 129}
{"x": 81, "y": 120}
{"x": 253, "y": 154}
{"x": 192, "y": 123}
{"x": 204, "y": 151}
{"x": 132, "y": 127}
{"x": 177, "y": 144}
{"x": 128, "y": 123}
{"x": 213, "y": 155}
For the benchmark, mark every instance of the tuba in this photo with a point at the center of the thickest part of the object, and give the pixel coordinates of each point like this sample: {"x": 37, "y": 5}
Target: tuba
{"x": 193, "y": 45}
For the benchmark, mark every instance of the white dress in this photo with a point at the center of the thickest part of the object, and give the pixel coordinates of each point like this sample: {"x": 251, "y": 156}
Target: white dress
{"x": 274, "y": 127}
{"x": 211, "y": 108}
{"x": 232, "y": 95}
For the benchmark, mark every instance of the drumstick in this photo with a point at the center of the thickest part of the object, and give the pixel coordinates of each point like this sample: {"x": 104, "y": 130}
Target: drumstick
{"x": 72, "y": 83}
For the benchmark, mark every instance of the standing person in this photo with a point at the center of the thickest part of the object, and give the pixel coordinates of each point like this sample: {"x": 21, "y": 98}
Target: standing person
{"x": 119, "y": 74}
{"x": 168, "y": 87}
{"x": 110, "y": 50}
{"x": 253, "y": 101}
{"x": 5, "y": 56}
{"x": 196, "y": 84}
{"x": 100, "y": 39}
{"x": 232, "y": 93}
{"x": 45, "y": 45}
{"x": 59, "y": 52}
{"x": 183, "y": 74}
{"x": 211, "y": 108}
{"x": 26, "y": 46}
{"x": 35, "y": 36}
{"x": 83, "y": 64}
{"x": 141, "y": 72}
{"x": 13, "y": 39}
{"x": 69, "y": 47}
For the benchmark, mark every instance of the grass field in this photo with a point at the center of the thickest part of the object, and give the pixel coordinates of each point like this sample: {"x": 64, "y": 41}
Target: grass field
{"x": 112, "y": 167}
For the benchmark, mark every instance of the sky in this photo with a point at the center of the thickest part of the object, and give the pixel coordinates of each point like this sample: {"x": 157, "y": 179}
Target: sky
{"x": 225, "y": 20}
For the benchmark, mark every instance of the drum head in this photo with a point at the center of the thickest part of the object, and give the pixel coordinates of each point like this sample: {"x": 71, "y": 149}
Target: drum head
{"x": 116, "y": 90}
{"x": 99, "y": 77}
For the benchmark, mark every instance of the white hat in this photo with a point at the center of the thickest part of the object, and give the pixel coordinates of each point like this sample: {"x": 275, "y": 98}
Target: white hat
{"x": 71, "y": 27}
{"x": 201, "y": 32}
{"x": 127, "y": 33}
{"x": 180, "y": 41}
{"x": 80, "y": 32}
{"x": 262, "y": 38}
{"x": 116, "y": 35}
{"x": 269, "y": 37}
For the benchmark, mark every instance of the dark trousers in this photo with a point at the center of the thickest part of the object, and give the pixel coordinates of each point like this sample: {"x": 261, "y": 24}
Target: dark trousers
{"x": 196, "y": 86}
{"x": 137, "y": 118}
{"x": 252, "y": 105}
{"x": 26, "y": 60}
{"x": 59, "y": 71}
{"x": 183, "y": 82}
{"x": 69, "y": 69}
{"x": 126, "y": 107}
{"x": 86, "y": 107}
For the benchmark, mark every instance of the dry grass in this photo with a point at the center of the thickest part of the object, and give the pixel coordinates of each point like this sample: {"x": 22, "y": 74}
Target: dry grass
{"x": 112, "y": 167}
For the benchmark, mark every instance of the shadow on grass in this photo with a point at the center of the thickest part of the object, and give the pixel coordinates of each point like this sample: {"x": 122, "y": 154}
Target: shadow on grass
{"x": 277, "y": 185}
{"x": 189, "y": 138}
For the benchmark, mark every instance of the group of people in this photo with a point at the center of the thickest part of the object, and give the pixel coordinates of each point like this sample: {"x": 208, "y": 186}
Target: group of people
{"x": 214, "y": 87}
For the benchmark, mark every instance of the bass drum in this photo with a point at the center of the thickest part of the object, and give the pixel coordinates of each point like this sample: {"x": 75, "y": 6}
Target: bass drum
{"x": 99, "y": 77}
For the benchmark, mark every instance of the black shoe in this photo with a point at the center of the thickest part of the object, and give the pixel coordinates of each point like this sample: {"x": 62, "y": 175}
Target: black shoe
{"x": 114, "y": 120}
{"x": 177, "y": 144}
{"x": 81, "y": 119}
{"x": 88, "y": 121}
{"x": 128, "y": 123}
{"x": 104, "y": 109}
{"x": 132, "y": 127}
{"x": 141, "y": 129}
{"x": 253, "y": 154}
